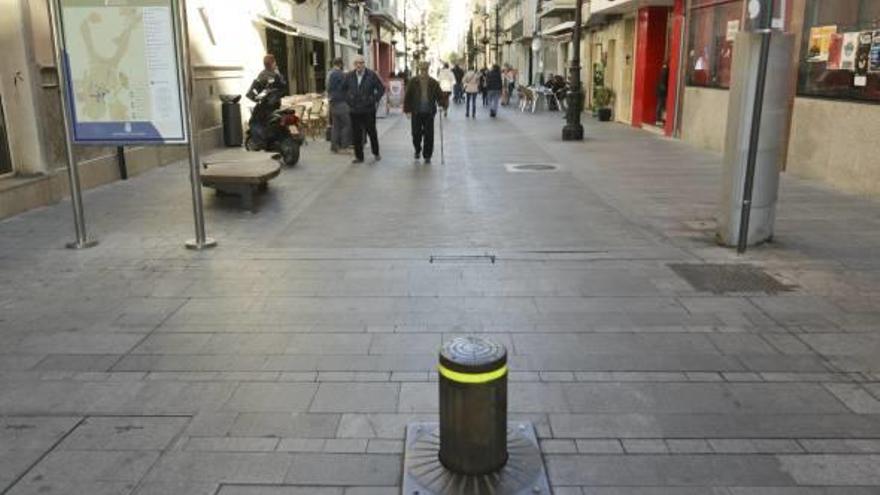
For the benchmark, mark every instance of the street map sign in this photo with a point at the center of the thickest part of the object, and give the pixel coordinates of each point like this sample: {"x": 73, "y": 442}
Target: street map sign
{"x": 123, "y": 71}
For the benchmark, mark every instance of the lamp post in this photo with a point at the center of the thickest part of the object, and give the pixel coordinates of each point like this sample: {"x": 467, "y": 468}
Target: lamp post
{"x": 573, "y": 130}
{"x": 497, "y": 32}
{"x": 331, "y": 30}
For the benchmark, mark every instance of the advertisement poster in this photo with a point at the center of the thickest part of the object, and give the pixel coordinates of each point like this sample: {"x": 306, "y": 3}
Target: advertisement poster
{"x": 874, "y": 60}
{"x": 820, "y": 43}
{"x": 732, "y": 29}
{"x": 123, "y": 71}
{"x": 863, "y": 55}
{"x": 395, "y": 92}
{"x": 835, "y": 52}
{"x": 848, "y": 52}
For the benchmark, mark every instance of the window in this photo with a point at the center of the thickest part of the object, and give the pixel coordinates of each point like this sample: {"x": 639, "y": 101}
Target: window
{"x": 840, "y": 52}
{"x": 713, "y": 27}
{"x": 5, "y": 159}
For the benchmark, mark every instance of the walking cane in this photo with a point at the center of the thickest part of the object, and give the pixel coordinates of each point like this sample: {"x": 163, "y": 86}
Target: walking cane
{"x": 442, "y": 155}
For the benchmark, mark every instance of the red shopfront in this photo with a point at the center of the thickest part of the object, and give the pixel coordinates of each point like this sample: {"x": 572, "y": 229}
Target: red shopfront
{"x": 659, "y": 31}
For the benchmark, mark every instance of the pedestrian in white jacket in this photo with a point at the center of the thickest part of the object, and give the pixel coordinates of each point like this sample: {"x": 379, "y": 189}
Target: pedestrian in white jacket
{"x": 471, "y": 82}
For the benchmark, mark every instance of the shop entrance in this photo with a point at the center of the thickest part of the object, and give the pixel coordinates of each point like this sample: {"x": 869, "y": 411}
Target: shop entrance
{"x": 5, "y": 155}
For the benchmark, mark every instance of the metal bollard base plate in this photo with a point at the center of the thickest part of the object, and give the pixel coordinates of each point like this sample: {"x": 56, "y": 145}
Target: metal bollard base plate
{"x": 524, "y": 473}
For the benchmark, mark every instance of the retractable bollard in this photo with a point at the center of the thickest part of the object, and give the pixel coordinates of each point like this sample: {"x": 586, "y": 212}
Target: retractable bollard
{"x": 473, "y": 406}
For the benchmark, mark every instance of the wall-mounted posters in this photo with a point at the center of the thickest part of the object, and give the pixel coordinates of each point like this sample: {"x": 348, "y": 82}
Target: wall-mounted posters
{"x": 874, "y": 60}
{"x": 863, "y": 56}
{"x": 820, "y": 43}
{"x": 848, "y": 52}
{"x": 835, "y": 52}
{"x": 732, "y": 29}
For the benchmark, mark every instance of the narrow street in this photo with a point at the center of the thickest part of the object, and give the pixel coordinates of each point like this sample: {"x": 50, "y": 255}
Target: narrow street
{"x": 290, "y": 359}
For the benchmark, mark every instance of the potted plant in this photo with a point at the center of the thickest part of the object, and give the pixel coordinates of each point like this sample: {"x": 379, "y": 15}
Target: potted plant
{"x": 603, "y": 97}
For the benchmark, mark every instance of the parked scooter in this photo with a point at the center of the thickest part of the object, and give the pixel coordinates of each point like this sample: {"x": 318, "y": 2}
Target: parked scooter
{"x": 272, "y": 128}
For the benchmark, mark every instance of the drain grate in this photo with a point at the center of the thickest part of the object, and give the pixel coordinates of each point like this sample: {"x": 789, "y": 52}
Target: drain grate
{"x": 723, "y": 279}
{"x": 531, "y": 167}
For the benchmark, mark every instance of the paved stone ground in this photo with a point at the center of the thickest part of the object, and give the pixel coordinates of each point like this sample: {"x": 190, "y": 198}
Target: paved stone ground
{"x": 288, "y": 360}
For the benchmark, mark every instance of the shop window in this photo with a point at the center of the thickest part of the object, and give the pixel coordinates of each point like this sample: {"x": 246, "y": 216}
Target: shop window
{"x": 712, "y": 30}
{"x": 5, "y": 158}
{"x": 840, "y": 52}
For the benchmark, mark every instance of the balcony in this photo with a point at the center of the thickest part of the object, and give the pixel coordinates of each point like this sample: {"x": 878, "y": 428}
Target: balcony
{"x": 624, "y": 6}
{"x": 385, "y": 11}
{"x": 556, "y": 7}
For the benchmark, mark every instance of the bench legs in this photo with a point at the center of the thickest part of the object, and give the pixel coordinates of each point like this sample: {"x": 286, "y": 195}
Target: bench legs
{"x": 244, "y": 191}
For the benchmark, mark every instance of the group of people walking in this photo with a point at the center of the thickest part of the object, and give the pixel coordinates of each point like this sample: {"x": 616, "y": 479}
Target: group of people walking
{"x": 354, "y": 97}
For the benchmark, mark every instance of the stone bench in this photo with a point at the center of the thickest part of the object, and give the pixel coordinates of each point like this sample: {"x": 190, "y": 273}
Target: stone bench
{"x": 243, "y": 178}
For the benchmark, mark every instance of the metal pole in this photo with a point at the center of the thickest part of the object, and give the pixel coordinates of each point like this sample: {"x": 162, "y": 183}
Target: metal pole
{"x": 497, "y": 33}
{"x": 201, "y": 241}
{"x": 573, "y": 130}
{"x": 442, "y": 154}
{"x": 331, "y": 31}
{"x": 405, "y": 45}
{"x": 363, "y": 29}
{"x": 765, "y": 21}
{"x": 82, "y": 237}
{"x": 120, "y": 162}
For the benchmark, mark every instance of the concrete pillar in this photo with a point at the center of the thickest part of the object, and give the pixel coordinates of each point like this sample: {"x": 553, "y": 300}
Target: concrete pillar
{"x": 675, "y": 58}
{"x": 19, "y": 86}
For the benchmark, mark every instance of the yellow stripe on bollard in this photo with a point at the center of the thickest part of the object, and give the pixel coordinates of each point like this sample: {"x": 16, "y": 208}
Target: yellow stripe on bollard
{"x": 459, "y": 377}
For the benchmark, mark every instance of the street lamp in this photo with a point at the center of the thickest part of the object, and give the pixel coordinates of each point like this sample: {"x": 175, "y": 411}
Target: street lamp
{"x": 573, "y": 130}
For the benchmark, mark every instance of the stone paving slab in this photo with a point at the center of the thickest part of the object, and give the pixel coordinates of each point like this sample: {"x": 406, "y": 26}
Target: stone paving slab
{"x": 290, "y": 359}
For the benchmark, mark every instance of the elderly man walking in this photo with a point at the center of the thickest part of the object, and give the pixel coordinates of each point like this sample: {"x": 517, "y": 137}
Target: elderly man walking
{"x": 420, "y": 102}
{"x": 363, "y": 90}
{"x": 340, "y": 120}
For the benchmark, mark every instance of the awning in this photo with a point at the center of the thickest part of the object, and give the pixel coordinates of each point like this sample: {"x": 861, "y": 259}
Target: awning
{"x": 292, "y": 28}
{"x": 559, "y": 29}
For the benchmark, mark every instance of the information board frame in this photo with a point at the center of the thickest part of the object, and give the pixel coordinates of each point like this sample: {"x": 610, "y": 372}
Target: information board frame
{"x": 126, "y": 132}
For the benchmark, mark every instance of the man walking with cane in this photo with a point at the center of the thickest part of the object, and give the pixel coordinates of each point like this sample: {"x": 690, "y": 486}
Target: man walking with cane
{"x": 420, "y": 103}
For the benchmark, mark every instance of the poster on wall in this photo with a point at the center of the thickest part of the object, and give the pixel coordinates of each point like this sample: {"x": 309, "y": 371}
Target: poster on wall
{"x": 863, "y": 56}
{"x": 848, "y": 51}
{"x": 835, "y": 52}
{"x": 732, "y": 29}
{"x": 874, "y": 58}
{"x": 123, "y": 71}
{"x": 820, "y": 43}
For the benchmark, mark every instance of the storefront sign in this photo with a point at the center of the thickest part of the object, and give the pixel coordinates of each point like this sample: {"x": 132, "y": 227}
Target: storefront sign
{"x": 123, "y": 71}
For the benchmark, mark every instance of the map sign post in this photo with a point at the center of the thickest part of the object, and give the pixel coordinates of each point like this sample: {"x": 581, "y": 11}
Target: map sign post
{"x": 125, "y": 80}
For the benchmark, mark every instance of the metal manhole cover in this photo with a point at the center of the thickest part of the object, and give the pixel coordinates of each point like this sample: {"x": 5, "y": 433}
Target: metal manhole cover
{"x": 723, "y": 279}
{"x": 531, "y": 167}
{"x": 423, "y": 473}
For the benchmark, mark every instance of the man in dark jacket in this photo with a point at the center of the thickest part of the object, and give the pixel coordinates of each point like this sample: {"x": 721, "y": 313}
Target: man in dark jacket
{"x": 459, "y": 88}
{"x": 363, "y": 90}
{"x": 420, "y": 102}
{"x": 340, "y": 120}
{"x": 494, "y": 85}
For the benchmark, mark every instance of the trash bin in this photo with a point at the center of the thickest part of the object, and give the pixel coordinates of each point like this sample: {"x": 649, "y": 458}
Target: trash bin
{"x": 233, "y": 134}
